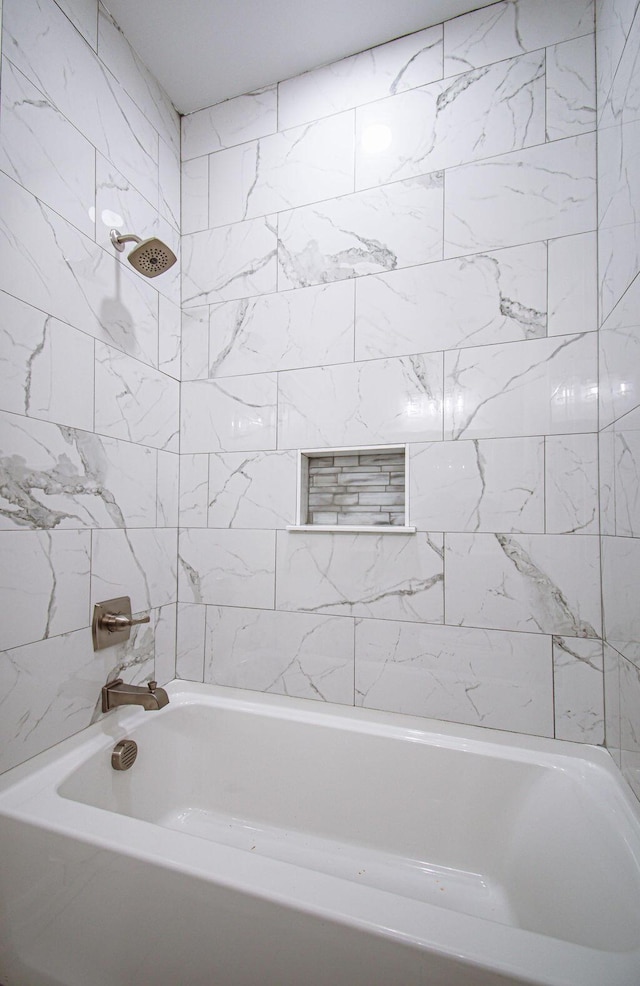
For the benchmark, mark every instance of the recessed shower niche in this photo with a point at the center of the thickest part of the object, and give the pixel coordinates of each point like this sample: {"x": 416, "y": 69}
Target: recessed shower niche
{"x": 353, "y": 489}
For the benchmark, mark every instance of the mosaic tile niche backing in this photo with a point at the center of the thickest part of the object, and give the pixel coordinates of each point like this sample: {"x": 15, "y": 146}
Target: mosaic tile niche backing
{"x": 365, "y": 489}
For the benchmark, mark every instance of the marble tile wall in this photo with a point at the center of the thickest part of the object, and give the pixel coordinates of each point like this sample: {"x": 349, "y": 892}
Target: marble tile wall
{"x": 618, "y": 39}
{"x": 89, "y": 367}
{"x": 401, "y": 248}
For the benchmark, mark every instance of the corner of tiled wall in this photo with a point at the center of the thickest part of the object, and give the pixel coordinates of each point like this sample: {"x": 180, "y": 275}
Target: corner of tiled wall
{"x": 401, "y": 248}
{"x": 90, "y": 366}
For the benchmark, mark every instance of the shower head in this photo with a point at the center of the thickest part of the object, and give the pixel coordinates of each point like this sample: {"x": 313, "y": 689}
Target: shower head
{"x": 150, "y": 257}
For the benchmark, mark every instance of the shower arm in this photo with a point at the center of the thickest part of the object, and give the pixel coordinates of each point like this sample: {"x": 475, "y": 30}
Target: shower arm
{"x": 119, "y": 239}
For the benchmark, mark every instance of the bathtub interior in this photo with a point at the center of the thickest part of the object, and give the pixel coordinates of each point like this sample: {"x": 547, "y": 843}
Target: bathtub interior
{"x": 521, "y": 841}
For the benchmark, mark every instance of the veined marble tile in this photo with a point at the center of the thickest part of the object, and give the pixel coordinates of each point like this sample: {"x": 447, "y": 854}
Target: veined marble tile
{"x": 229, "y": 262}
{"x": 612, "y": 661}
{"x": 539, "y": 387}
{"x": 195, "y": 343}
{"x": 232, "y": 415}
{"x": 233, "y": 121}
{"x": 541, "y": 583}
{"x": 619, "y": 341}
{"x": 165, "y": 643}
{"x": 626, "y": 452}
{"x": 190, "y": 641}
{"x": 134, "y": 401}
{"x": 252, "y": 490}
{"x": 168, "y": 489}
{"x": 133, "y": 75}
{"x": 571, "y": 88}
{"x": 394, "y": 578}
{"x": 47, "y": 262}
{"x": 50, "y": 689}
{"x": 382, "y": 71}
{"x": 282, "y": 653}
{"x": 398, "y": 225}
{"x": 195, "y": 195}
{"x": 533, "y": 194}
{"x": 369, "y": 403}
{"x": 227, "y": 568}
{"x": 509, "y": 28}
{"x": 45, "y": 584}
{"x": 481, "y": 677}
{"x": 194, "y": 490}
{"x": 41, "y": 150}
{"x": 169, "y": 183}
{"x": 56, "y": 477}
{"x": 578, "y": 690}
{"x": 282, "y": 171}
{"x": 136, "y": 563}
{"x": 573, "y": 284}
{"x": 486, "y": 298}
{"x": 307, "y": 327}
{"x": 84, "y": 15}
{"x": 169, "y": 342}
{"x": 630, "y": 725}
{"x": 492, "y": 485}
{"x": 119, "y": 204}
{"x": 614, "y": 19}
{"x": 606, "y": 454}
{"x": 619, "y": 175}
{"x": 618, "y": 263}
{"x": 620, "y": 102}
{"x": 485, "y": 112}
{"x": 571, "y": 484}
{"x": 621, "y": 595}
{"x": 43, "y": 44}
{"x": 46, "y": 368}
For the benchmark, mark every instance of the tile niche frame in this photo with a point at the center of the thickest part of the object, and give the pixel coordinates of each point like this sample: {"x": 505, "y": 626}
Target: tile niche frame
{"x": 302, "y": 497}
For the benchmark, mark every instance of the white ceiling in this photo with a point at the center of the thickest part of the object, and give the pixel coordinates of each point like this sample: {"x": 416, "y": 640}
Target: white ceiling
{"x": 204, "y": 51}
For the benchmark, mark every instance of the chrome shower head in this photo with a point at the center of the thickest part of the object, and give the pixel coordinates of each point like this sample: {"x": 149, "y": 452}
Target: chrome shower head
{"x": 150, "y": 257}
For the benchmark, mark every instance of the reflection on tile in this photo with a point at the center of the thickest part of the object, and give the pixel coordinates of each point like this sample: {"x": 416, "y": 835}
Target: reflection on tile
{"x": 227, "y": 568}
{"x": 541, "y": 387}
{"x": 40, "y": 149}
{"x": 282, "y": 653}
{"x": 619, "y": 340}
{"x": 571, "y": 484}
{"x": 533, "y": 582}
{"x": 229, "y": 262}
{"x": 45, "y": 584}
{"x": 621, "y": 595}
{"x": 573, "y": 284}
{"x": 306, "y": 327}
{"x": 508, "y": 28}
{"x": 119, "y": 204}
{"x": 481, "y": 677}
{"x": 234, "y": 414}
{"x": 578, "y": 689}
{"x": 382, "y": 71}
{"x": 472, "y": 301}
{"x": 136, "y": 563}
{"x": 395, "y": 578}
{"x": 478, "y": 486}
{"x": 486, "y": 112}
{"x": 190, "y": 641}
{"x": 56, "y": 477}
{"x": 253, "y": 490}
{"x": 368, "y": 403}
{"x": 534, "y": 194}
{"x": 571, "y": 88}
{"x": 232, "y": 122}
{"x": 134, "y": 401}
{"x": 397, "y": 225}
{"x": 282, "y": 171}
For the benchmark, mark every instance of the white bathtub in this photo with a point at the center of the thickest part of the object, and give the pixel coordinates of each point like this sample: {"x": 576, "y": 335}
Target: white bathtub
{"x": 264, "y": 842}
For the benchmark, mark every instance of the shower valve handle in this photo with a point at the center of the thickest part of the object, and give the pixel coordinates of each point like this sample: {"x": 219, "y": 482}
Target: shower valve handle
{"x": 120, "y": 621}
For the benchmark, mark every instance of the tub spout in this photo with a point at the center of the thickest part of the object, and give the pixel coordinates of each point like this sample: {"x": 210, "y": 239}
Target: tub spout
{"x": 116, "y": 693}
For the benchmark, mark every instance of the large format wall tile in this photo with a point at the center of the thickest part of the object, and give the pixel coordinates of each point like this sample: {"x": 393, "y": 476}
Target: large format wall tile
{"x": 382, "y": 71}
{"x": 619, "y": 340}
{"x": 481, "y": 677}
{"x": 471, "y": 301}
{"x": 395, "y": 578}
{"x": 619, "y": 96}
{"x": 283, "y": 653}
{"x": 227, "y": 568}
{"x": 136, "y": 563}
{"x": 621, "y": 595}
{"x": 541, "y": 387}
{"x": 232, "y": 122}
{"x": 398, "y": 225}
{"x": 233, "y": 414}
{"x": 571, "y": 484}
{"x": 538, "y": 583}
{"x": 578, "y": 689}
{"x": 571, "y": 88}
{"x": 534, "y": 194}
{"x": 370, "y": 403}
{"x": 625, "y": 474}
{"x": 573, "y": 284}
{"x": 486, "y": 112}
{"x": 229, "y": 262}
{"x": 254, "y": 490}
